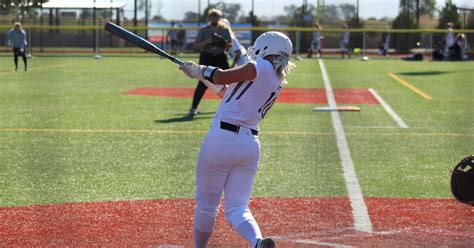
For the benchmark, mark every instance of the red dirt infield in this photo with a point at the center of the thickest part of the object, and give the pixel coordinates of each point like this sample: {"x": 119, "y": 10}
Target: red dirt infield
{"x": 293, "y": 222}
{"x": 288, "y": 95}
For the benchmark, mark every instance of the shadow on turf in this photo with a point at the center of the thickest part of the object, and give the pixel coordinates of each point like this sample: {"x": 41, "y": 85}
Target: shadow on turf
{"x": 423, "y": 73}
{"x": 186, "y": 117}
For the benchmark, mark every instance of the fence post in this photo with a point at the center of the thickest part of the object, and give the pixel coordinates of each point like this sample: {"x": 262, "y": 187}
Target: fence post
{"x": 298, "y": 42}
{"x": 96, "y": 45}
{"x": 28, "y": 52}
{"x": 363, "y": 44}
{"x": 430, "y": 50}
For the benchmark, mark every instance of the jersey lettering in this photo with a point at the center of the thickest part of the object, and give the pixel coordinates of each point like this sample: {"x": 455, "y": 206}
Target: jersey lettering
{"x": 237, "y": 87}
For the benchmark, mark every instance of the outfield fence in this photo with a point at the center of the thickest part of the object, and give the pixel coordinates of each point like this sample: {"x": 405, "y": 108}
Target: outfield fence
{"x": 66, "y": 40}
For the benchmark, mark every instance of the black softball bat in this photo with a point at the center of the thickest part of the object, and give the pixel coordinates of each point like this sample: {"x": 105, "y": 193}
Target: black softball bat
{"x": 139, "y": 41}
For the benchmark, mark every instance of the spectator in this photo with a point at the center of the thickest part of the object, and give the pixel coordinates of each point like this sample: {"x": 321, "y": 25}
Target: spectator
{"x": 316, "y": 42}
{"x": 181, "y": 37}
{"x": 449, "y": 40}
{"x": 172, "y": 38}
{"x": 16, "y": 37}
{"x": 237, "y": 52}
{"x": 344, "y": 43}
{"x": 385, "y": 43}
{"x": 463, "y": 46}
{"x": 212, "y": 40}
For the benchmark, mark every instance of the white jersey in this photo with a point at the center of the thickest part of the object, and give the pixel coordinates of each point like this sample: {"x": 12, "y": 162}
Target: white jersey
{"x": 345, "y": 37}
{"x": 450, "y": 39}
{"x": 246, "y": 103}
{"x": 236, "y": 46}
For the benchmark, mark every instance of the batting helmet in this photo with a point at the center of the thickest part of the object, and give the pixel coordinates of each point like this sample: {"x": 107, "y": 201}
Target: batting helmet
{"x": 271, "y": 43}
{"x": 462, "y": 180}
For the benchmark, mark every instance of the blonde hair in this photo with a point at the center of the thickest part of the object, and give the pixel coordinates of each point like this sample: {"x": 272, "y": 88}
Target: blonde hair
{"x": 224, "y": 23}
{"x": 214, "y": 11}
{"x": 282, "y": 66}
{"x": 17, "y": 24}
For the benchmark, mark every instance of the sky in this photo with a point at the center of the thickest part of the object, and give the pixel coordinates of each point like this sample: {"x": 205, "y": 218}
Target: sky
{"x": 175, "y": 9}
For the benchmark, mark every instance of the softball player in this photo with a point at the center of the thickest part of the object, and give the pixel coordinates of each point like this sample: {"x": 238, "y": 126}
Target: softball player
{"x": 344, "y": 43}
{"x": 229, "y": 155}
{"x": 237, "y": 52}
{"x": 17, "y": 38}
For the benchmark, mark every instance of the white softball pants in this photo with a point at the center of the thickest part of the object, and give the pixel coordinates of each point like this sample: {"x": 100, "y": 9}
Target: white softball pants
{"x": 227, "y": 164}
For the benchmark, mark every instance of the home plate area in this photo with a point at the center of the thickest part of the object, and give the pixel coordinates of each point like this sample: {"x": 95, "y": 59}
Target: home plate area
{"x": 288, "y": 95}
{"x": 292, "y": 222}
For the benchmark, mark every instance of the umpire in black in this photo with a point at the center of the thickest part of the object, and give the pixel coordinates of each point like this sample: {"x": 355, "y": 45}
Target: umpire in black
{"x": 212, "y": 40}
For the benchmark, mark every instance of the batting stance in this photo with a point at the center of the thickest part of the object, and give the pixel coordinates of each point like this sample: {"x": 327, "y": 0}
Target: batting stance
{"x": 229, "y": 155}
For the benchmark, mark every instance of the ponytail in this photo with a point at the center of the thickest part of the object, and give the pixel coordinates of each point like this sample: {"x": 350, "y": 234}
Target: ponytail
{"x": 282, "y": 66}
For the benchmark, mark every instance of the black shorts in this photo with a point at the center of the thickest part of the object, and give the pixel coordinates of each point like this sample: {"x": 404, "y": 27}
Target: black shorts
{"x": 18, "y": 51}
{"x": 219, "y": 60}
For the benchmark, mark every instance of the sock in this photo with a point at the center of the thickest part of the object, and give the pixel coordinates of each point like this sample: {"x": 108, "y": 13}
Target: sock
{"x": 201, "y": 238}
{"x": 250, "y": 231}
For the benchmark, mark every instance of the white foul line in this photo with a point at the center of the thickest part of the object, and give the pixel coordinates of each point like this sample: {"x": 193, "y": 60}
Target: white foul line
{"x": 389, "y": 110}
{"x": 360, "y": 213}
{"x": 315, "y": 242}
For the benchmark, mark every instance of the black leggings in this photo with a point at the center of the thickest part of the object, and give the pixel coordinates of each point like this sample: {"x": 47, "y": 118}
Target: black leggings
{"x": 208, "y": 59}
{"x": 17, "y": 52}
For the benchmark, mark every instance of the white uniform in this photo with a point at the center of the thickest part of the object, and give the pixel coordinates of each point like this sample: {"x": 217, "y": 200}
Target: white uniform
{"x": 316, "y": 42}
{"x": 228, "y": 160}
{"x": 344, "y": 42}
{"x": 450, "y": 40}
{"x": 236, "y": 46}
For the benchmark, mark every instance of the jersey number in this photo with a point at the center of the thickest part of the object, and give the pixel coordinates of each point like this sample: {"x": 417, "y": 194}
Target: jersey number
{"x": 267, "y": 105}
{"x": 262, "y": 110}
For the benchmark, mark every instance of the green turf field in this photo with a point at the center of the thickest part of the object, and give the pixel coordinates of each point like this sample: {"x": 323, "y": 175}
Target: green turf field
{"x": 69, "y": 134}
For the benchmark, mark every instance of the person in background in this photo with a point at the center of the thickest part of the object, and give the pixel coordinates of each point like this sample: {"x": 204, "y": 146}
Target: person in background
{"x": 385, "y": 44}
{"x": 462, "y": 43}
{"x": 172, "y": 38}
{"x": 16, "y": 37}
{"x": 237, "y": 52}
{"x": 181, "y": 37}
{"x": 316, "y": 42}
{"x": 212, "y": 40}
{"x": 344, "y": 43}
{"x": 449, "y": 40}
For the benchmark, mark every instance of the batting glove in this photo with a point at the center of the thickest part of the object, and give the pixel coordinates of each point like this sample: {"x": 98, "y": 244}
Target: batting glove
{"x": 193, "y": 70}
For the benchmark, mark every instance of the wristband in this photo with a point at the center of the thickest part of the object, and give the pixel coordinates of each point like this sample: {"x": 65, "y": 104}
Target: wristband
{"x": 208, "y": 72}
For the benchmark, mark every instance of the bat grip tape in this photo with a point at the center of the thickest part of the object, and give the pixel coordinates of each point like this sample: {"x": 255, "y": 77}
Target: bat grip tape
{"x": 208, "y": 72}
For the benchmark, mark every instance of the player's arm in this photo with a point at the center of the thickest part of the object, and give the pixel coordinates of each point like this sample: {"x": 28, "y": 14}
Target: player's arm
{"x": 7, "y": 40}
{"x": 217, "y": 89}
{"x": 237, "y": 55}
{"x": 236, "y": 74}
{"x": 218, "y": 76}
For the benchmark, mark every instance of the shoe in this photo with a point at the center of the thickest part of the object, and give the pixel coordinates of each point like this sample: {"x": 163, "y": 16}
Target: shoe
{"x": 193, "y": 112}
{"x": 265, "y": 243}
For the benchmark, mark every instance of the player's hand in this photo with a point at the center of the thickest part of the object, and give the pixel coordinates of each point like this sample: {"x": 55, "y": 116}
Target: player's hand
{"x": 192, "y": 70}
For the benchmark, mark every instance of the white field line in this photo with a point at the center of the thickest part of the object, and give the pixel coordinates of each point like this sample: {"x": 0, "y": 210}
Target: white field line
{"x": 389, "y": 110}
{"x": 360, "y": 213}
{"x": 315, "y": 242}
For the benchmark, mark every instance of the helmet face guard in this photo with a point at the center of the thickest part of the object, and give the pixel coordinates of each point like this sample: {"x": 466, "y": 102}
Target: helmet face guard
{"x": 271, "y": 43}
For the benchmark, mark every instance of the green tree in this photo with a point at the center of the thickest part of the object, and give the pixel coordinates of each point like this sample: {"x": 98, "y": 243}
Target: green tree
{"x": 418, "y": 8}
{"x": 191, "y": 16}
{"x": 20, "y": 7}
{"x": 449, "y": 13}
{"x": 330, "y": 14}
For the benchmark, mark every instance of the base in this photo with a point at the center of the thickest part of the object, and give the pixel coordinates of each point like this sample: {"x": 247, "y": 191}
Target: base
{"x": 340, "y": 108}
